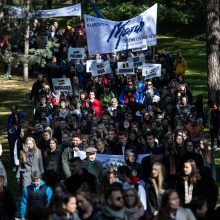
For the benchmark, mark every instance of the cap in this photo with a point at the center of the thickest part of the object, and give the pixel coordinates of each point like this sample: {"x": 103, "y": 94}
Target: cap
{"x": 91, "y": 150}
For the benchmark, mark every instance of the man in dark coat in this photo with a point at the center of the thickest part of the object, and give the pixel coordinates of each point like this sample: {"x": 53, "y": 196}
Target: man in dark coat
{"x": 80, "y": 178}
{"x": 36, "y": 87}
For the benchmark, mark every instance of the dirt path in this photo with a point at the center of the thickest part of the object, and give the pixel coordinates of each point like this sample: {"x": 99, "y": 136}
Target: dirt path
{"x": 14, "y": 91}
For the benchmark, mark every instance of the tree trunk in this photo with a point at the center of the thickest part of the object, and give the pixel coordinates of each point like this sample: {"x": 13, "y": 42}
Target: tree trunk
{"x": 212, "y": 47}
{"x": 1, "y": 9}
{"x": 26, "y": 42}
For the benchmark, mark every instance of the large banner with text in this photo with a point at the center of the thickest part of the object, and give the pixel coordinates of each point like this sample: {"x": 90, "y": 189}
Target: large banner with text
{"x": 112, "y": 36}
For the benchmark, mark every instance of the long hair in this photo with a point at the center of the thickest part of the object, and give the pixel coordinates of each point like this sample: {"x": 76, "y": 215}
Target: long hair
{"x": 169, "y": 148}
{"x": 63, "y": 200}
{"x": 105, "y": 184}
{"x": 164, "y": 210}
{"x": 159, "y": 181}
{"x": 193, "y": 177}
{"x": 56, "y": 141}
{"x": 205, "y": 151}
{"x": 86, "y": 195}
{"x": 24, "y": 152}
{"x": 137, "y": 202}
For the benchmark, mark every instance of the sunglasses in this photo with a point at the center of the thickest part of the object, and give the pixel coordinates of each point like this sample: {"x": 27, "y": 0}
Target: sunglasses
{"x": 149, "y": 84}
{"x": 119, "y": 198}
{"x": 130, "y": 84}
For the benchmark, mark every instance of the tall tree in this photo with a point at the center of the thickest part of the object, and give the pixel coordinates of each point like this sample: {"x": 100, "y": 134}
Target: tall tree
{"x": 212, "y": 46}
{"x": 26, "y": 39}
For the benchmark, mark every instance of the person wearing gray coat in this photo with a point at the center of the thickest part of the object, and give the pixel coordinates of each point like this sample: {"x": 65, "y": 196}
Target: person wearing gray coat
{"x": 69, "y": 153}
{"x": 31, "y": 160}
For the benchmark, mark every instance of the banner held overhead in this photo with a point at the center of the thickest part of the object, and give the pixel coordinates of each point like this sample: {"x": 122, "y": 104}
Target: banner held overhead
{"x": 74, "y": 10}
{"x": 105, "y": 36}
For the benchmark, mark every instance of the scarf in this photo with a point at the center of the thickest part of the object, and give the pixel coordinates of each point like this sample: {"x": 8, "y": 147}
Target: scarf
{"x": 188, "y": 191}
{"x": 135, "y": 212}
{"x": 120, "y": 215}
{"x": 89, "y": 165}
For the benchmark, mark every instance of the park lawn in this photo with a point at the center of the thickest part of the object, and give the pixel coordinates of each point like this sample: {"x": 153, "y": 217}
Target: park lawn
{"x": 16, "y": 91}
{"x": 13, "y": 91}
{"x": 194, "y": 52}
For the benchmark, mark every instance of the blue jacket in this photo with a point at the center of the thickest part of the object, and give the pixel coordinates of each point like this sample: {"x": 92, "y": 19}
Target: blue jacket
{"x": 139, "y": 93}
{"x": 24, "y": 198}
{"x": 10, "y": 122}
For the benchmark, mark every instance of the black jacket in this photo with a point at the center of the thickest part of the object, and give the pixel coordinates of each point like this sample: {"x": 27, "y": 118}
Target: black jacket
{"x": 152, "y": 200}
{"x": 86, "y": 181}
{"x": 52, "y": 167}
{"x": 8, "y": 204}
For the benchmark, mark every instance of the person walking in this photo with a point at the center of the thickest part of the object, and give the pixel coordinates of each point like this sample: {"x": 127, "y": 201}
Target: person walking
{"x": 30, "y": 161}
{"x": 37, "y": 194}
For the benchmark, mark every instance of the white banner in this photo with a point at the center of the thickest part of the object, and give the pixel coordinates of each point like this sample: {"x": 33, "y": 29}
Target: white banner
{"x": 74, "y": 10}
{"x": 108, "y": 160}
{"x": 61, "y": 84}
{"x": 138, "y": 61}
{"x": 150, "y": 70}
{"x": 115, "y": 36}
{"x": 75, "y": 53}
{"x": 89, "y": 64}
{"x": 126, "y": 68}
{"x": 100, "y": 68}
{"x": 16, "y": 12}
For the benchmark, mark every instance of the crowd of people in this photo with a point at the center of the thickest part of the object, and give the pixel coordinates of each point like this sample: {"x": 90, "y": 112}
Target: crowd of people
{"x": 113, "y": 114}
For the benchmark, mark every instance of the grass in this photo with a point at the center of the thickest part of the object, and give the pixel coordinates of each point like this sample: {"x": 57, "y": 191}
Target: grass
{"x": 194, "y": 52}
{"x": 13, "y": 91}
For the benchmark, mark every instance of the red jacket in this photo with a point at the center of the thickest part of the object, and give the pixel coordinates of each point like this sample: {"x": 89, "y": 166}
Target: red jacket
{"x": 96, "y": 105}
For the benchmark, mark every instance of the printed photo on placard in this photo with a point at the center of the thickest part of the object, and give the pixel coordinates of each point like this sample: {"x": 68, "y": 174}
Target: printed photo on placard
{"x": 75, "y": 53}
{"x": 101, "y": 68}
{"x": 61, "y": 84}
{"x": 89, "y": 64}
{"x": 137, "y": 60}
{"x": 126, "y": 68}
{"x": 151, "y": 70}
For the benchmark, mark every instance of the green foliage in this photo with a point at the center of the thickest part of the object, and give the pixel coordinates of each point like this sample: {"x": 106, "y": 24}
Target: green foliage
{"x": 173, "y": 15}
{"x": 122, "y": 11}
{"x": 40, "y": 56}
{"x": 176, "y": 12}
{"x": 36, "y": 56}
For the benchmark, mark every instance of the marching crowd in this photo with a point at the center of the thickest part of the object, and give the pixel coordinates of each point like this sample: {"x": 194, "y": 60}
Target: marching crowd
{"x": 113, "y": 114}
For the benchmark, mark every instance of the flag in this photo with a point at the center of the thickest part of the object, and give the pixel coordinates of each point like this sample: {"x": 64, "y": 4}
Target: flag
{"x": 97, "y": 11}
{"x": 125, "y": 65}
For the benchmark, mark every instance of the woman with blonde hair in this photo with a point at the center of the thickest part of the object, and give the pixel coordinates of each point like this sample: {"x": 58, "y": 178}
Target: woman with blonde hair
{"x": 30, "y": 161}
{"x": 113, "y": 106}
{"x": 155, "y": 188}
